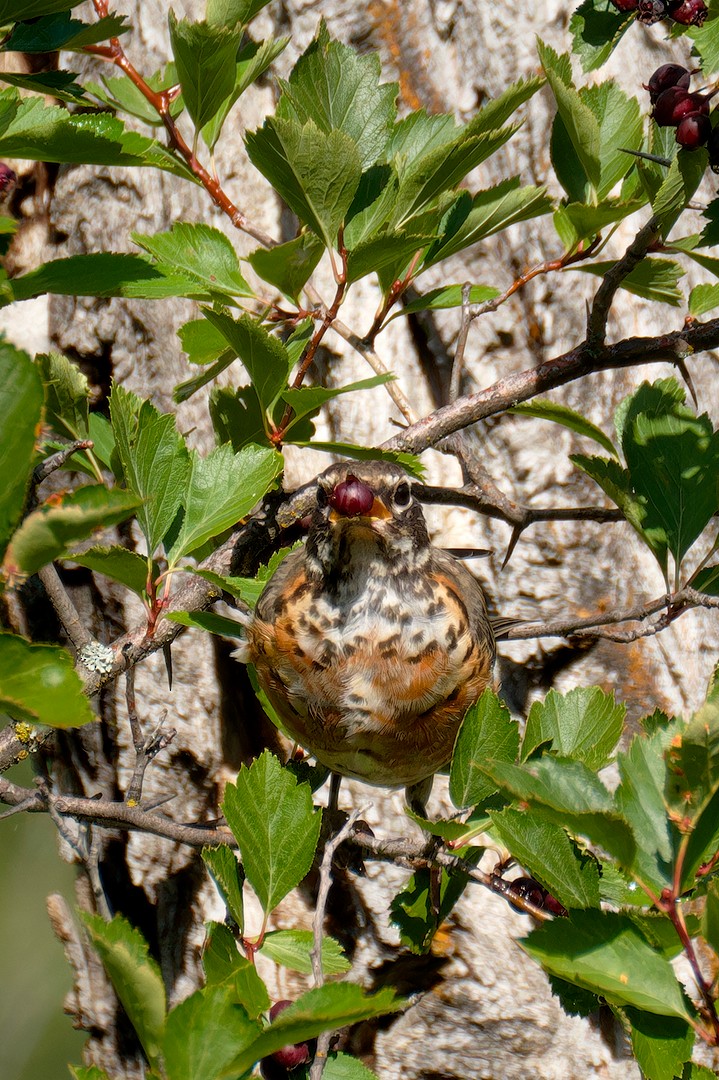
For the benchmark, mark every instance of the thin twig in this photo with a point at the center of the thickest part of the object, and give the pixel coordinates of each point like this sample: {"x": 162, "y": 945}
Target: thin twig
{"x": 455, "y": 381}
{"x": 58, "y": 460}
{"x": 318, "y": 921}
{"x": 65, "y": 610}
{"x": 145, "y": 749}
{"x": 604, "y": 296}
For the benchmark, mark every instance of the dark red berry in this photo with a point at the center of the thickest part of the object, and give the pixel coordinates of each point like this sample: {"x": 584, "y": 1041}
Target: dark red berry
{"x": 713, "y": 148}
{"x": 666, "y": 105}
{"x": 689, "y": 12}
{"x": 693, "y": 131}
{"x": 625, "y": 5}
{"x": 289, "y": 1057}
{"x": 694, "y": 105}
{"x": 8, "y": 179}
{"x": 352, "y": 497}
{"x": 552, "y": 904}
{"x": 665, "y": 76}
{"x": 652, "y": 11}
{"x": 528, "y": 889}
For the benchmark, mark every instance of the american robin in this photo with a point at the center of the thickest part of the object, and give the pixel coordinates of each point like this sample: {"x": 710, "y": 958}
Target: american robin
{"x": 370, "y": 642}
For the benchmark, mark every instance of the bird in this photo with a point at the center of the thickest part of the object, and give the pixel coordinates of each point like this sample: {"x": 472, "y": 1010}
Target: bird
{"x": 369, "y": 641}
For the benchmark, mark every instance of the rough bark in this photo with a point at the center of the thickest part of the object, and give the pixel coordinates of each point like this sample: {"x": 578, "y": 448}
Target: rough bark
{"x": 488, "y": 1010}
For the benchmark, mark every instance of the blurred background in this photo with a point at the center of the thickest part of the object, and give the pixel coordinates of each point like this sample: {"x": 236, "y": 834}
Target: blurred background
{"x": 37, "y": 1040}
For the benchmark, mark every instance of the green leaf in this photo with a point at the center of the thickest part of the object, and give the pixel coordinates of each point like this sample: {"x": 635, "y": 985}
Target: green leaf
{"x": 21, "y": 407}
{"x": 237, "y": 416}
{"x": 497, "y": 111}
{"x": 710, "y": 916}
{"x": 409, "y": 462}
{"x": 208, "y": 620}
{"x": 448, "y": 296}
{"x": 222, "y": 488}
{"x": 135, "y": 976}
{"x": 341, "y": 1066}
{"x": 66, "y": 395}
{"x": 577, "y": 221}
{"x": 545, "y": 850}
{"x": 32, "y": 9}
{"x": 263, "y": 355}
{"x": 223, "y": 963}
{"x": 91, "y": 1073}
{"x": 544, "y": 409}
{"x": 596, "y": 31}
{"x": 605, "y": 953}
{"x": 47, "y": 532}
{"x": 683, "y": 178}
{"x": 252, "y": 60}
{"x": 339, "y": 90}
{"x": 706, "y": 42}
{"x": 202, "y": 342}
{"x": 102, "y": 274}
{"x": 316, "y": 173}
{"x": 488, "y": 212}
{"x": 292, "y": 949}
{"x": 579, "y": 122}
{"x": 325, "y": 1008}
{"x": 59, "y": 31}
{"x": 660, "y": 1046}
{"x": 228, "y": 876}
{"x": 373, "y": 203}
{"x": 42, "y": 132}
{"x": 707, "y": 580}
{"x": 155, "y": 462}
{"x": 288, "y": 266}
{"x": 205, "y": 1033}
{"x": 621, "y": 128}
{"x": 58, "y": 84}
{"x": 371, "y": 256}
{"x": 120, "y": 93}
{"x": 205, "y": 61}
{"x": 306, "y": 400}
{"x": 653, "y": 279}
{"x": 234, "y": 13}
{"x": 487, "y": 733}
{"x": 118, "y": 563}
{"x": 249, "y": 589}
{"x": 421, "y": 907}
{"x": 584, "y": 724}
{"x": 640, "y": 800}
{"x": 276, "y": 826}
{"x": 199, "y": 252}
{"x": 703, "y": 298}
{"x": 39, "y": 684}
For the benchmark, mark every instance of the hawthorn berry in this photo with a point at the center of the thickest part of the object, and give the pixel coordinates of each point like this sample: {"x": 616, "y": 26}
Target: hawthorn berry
{"x": 666, "y": 104}
{"x": 666, "y": 76}
{"x": 693, "y": 131}
{"x": 276, "y": 1066}
{"x": 652, "y": 11}
{"x": 352, "y": 498}
{"x": 689, "y": 12}
{"x": 529, "y": 889}
{"x": 8, "y": 178}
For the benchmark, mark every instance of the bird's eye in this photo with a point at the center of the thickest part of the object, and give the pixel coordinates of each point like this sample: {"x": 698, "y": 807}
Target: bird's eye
{"x": 402, "y": 495}
{"x": 321, "y": 496}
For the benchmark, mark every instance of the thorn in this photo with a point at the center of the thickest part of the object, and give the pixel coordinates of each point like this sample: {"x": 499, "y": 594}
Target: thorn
{"x": 516, "y": 533}
{"x": 687, "y": 379}
{"x": 167, "y": 653}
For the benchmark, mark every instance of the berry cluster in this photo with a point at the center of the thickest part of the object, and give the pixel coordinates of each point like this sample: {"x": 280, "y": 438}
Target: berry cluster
{"x": 674, "y": 105}
{"x": 686, "y": 12}
{"x": 529, "y": 889}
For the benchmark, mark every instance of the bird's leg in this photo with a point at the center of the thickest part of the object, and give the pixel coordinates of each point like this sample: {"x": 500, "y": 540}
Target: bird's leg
{"x": 333, "y": 801}
{"x": 416, "y": 796}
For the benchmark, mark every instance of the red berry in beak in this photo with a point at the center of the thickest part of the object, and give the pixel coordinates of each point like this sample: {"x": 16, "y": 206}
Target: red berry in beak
{"x": 352, "y": 497}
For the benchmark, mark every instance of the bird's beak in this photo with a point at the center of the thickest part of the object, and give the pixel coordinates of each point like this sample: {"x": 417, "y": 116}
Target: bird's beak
{"x": 377, "y": 512}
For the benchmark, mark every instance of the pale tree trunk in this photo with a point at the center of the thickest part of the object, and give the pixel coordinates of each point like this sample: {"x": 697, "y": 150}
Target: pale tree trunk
{"x": 488, "y": 1010}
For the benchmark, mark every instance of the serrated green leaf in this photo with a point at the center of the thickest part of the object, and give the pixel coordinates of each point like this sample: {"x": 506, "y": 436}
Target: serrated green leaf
{"x": 487, "y": 733}
{"x": 487, "y": 213}
{"x": 199, "y": 252}
{"x": 316, "y": 173}
{"x": 660, "y": 1046}
{"x": 21, "y": 406}
{"x": 91, "y": 1073}
{"x": 409, "y": 462}
{"x": 653, "y": 279}
{"x": 234, "y": 13}
{"x": 102, "y": 274}
{"x": 341, "y": 1066}
{"x": 578, "y": 221}
{"x": 263, "y": 355}
{"x": 545, "y": 850}
{"x": 223, "y": 963}
{"x": 703, "y": 298}
{"x": 249, "y": 589}
{"x": 39, "y": 684}
{"x": 42, "y": 132}
{"x": 292, "y": 949}
{"x": 221, "y": 489}
{"x": 135, "y": 976}
{"x": 155, "y": 462}
{"x": 372, "y": 205}
{"x": 306, "y": 400}
{"x": 205, "y": 1032}
{"x": 596, "y": 31}
{"x": 605, "y": 953}
{"x": 59, "y": 31}
{"x": 577, "y": 118}
{"x": 584, "y": 724}
{"x": 120, "y": 93}
{"x": 237, "y": 416}
{"x": 707, "y": 580}
{"x": 621, "y": 128}
{"x": 544, "y": 409}
{"x": 47, "y": 532}
{"x": 681, "y": 181}
{"x": 706, "y": 42}
{"x": 202, "y": 342}
{"x": 339, "y": 90}
{"x": 422, "y": 906}
{"x": 228, "y": 875}
{"x": 325, "y": 1008}
{"x": 448, "y": 296}
{"x": 497, "y": 111}
{"x": 371, "y": 256}
{"x": 252, "y": 60}
{"x": 640, "y": 800}
{"x": 288, "y": 266}
{"x": 32, "y": 9}
{"x": 66, "y": 395}
{"x": 118, "y": 563}
{"x": 58, "y": 84}
{"x": 205, "y": 61}
{"x": 276, "y": 826}
{"x": 208, "y": 620}
{"x": 710, "y": 916}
